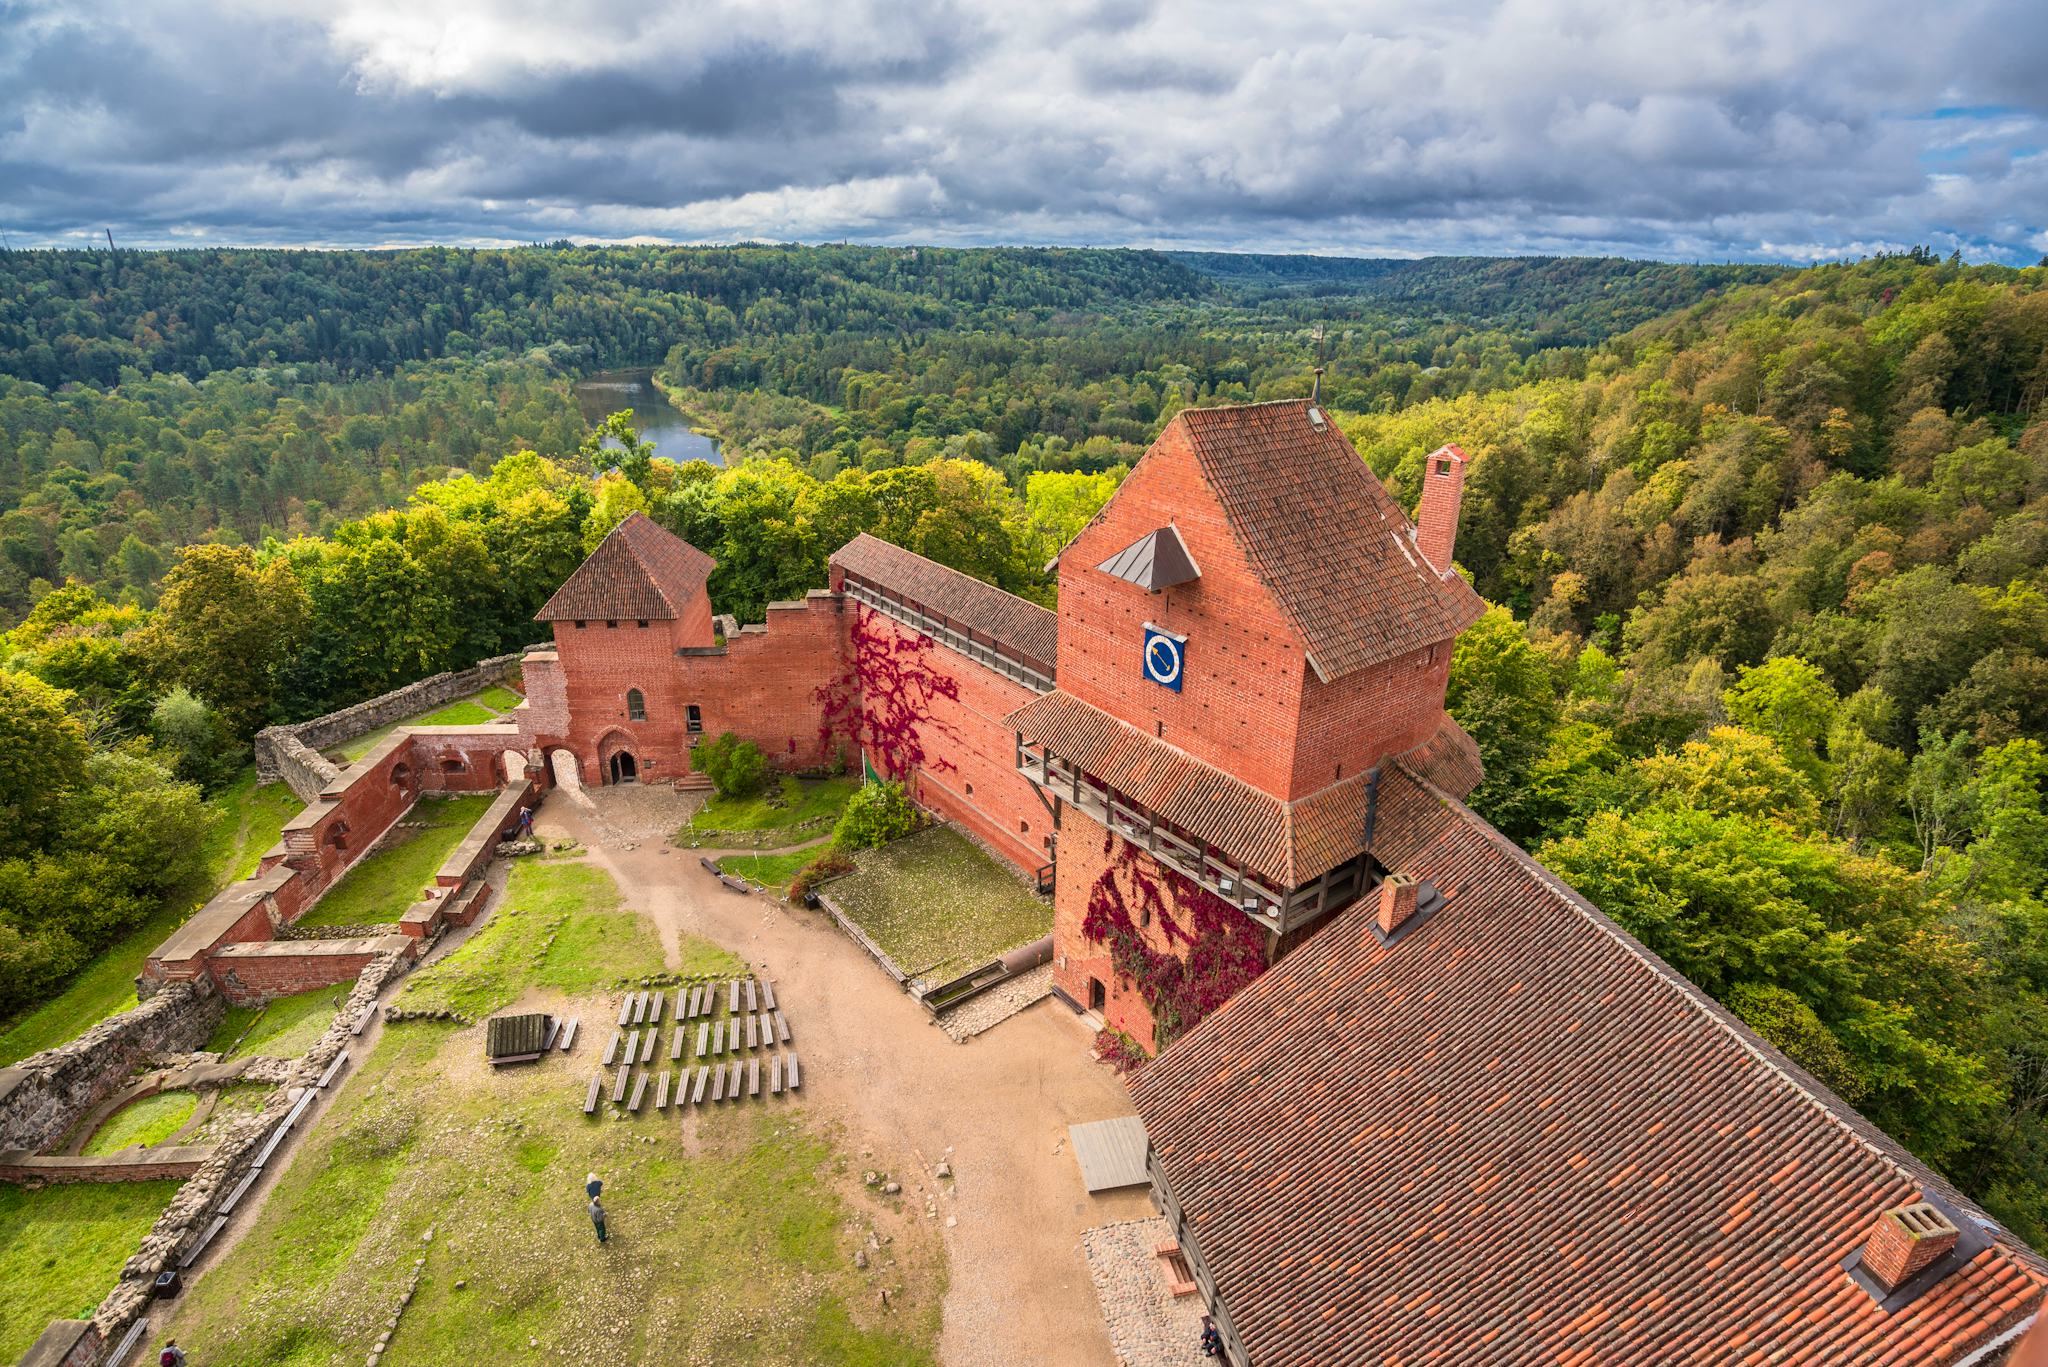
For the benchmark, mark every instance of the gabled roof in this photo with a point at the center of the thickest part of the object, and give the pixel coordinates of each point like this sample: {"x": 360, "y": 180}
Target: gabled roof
{"x": 1289, "y": 843}
{"x": 1157, "y": 560}
{"x": 641, "y": 570}
{"x": 1517, "y": 1136}
{"x": 1030, "y": 631}
{"x": 1324, "y": 536}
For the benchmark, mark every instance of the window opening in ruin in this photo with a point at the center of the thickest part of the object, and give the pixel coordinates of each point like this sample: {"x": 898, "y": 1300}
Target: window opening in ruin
{"x": 642, "y": 624}
{"x": 452, "y": 766}
{"x": 636, "y": 705}
{"x": 970, "y": 790}
{"x": 1097, "y": 997}
{"x": 1024, "y": 827}
{"x": 580, "y": 626}
{"x": 694, "y": 719}
{"x": 611, "y": 624}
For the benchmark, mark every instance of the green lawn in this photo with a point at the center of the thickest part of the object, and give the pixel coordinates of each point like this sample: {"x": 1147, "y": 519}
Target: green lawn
{"x": 938, "y": 905}
{"x": 61, "y": 1249}
{"x": 250, "y": 821}
{"x": 769, "y": 870}
{"x": 143, "y": 1124}
{"x": 470, "y": 711}
{"x": 233, "y": 1102}
{"x": 794, "y": 811}
{"x": 378, "y": 889}
{"x": 560, "y": 925}
{"x": 284, "y": 1028}
{"x": 733, "y": 1228}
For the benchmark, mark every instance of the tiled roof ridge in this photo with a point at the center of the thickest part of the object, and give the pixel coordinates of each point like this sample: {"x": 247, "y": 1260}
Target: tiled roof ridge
{"x": 1029, "y": 621}
{"x": 1808, "y": 1089}
{"x": 631, "y": 542}
{"x": 639, "y": 569}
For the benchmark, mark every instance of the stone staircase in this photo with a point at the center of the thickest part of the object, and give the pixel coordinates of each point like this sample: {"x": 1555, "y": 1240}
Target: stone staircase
{"x": 693, "y": 783}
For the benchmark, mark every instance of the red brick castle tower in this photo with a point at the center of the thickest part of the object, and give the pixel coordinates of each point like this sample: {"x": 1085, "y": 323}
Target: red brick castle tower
{"x": 1248, "y": 632}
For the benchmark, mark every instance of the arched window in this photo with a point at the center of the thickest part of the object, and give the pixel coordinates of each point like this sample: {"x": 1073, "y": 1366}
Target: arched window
{"x": 636, "y": 706}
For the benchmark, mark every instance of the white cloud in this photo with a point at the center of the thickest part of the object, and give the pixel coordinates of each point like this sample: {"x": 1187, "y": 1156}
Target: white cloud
{"x": 1686, "y": 127}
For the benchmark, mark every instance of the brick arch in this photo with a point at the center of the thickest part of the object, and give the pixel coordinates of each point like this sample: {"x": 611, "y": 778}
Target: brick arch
{"x": 613, "y": 742}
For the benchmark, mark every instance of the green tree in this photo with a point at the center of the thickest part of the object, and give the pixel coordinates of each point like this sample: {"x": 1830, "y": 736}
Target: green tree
{"x": 1789, "y": 701}
{"x": 1500, "y": 691}
{"x": 43, "y": 754}
{"x": 223, "y": 626}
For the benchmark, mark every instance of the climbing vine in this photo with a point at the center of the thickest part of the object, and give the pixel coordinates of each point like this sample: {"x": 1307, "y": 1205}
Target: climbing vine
{"x": 883, "y": 701}
{"x": 1210, "y": 954}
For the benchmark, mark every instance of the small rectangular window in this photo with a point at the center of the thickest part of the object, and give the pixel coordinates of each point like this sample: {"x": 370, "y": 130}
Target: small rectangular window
{"x": 611, "y": 624}
{"x": 695, "y": 720}
{"x": 642, "y": 624}
{"x": 579, "y": 626}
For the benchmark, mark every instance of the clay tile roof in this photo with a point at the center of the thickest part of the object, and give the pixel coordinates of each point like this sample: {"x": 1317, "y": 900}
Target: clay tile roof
{"x": 1024, "y": 627}
{"x": 1518, "y": 1136}
{"x": 1289, "y": 843}
{"x": 1324, "y": 536}
{"x": 641, "y": 571}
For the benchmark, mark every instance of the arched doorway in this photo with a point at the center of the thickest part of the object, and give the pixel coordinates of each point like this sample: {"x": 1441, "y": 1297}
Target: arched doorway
{"x": 624, "y": 768}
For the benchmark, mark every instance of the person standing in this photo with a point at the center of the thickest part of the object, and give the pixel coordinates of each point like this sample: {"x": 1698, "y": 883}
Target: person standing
{"x": 172, "y": 1355}
{"x": 593, "y": 1185}
{"x": 597, "y": 1218}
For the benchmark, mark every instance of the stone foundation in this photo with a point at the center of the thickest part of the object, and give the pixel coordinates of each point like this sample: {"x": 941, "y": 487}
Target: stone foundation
{"x": 45, "y": 1095}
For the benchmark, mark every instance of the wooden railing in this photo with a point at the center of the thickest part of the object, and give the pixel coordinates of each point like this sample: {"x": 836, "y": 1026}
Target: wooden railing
{"x": 981, "y": 652}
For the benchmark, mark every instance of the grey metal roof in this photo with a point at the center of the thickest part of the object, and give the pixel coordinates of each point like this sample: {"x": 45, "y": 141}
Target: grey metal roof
{"x": 1156, "y": 560}
{"x": 1111, "y": 1153}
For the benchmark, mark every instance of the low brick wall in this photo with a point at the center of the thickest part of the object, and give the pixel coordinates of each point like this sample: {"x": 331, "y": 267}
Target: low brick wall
{"x": 248, "y": 974}
{"x": 129, "y": 1165}
{"x": 66, "y": 1343}
{"x": 45, "y": 1095}
{"x": 275, "y": 758}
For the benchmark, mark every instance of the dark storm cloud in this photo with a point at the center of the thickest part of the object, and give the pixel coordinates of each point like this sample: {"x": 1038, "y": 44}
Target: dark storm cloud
{"x": 1695, "y": 128}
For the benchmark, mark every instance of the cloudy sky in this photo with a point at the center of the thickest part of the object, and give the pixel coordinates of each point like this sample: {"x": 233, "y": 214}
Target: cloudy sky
{"x": 1693, "y": 129}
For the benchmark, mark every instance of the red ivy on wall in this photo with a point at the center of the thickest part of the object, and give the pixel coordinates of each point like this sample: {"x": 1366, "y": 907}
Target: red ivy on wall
{"x": 883, "y": 701}
{"x": 1210, "y": 955}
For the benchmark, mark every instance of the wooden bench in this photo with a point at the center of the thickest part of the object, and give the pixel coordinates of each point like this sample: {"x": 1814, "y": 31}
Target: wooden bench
{"x": 750, "y": 996}
{"x": 333, "y": 1067}
{"x": 547, "y": 1038}
{"x": 718, "y": 1037}
{"x": 697, "y": 1000}
{"x": 796, "y": 1077}
{"x": 675, "y": 1048}
{"x": 733, "y": 997}
{"x": 611, "y": 1050}
{"x": 710, "y": 866}
{"x": 781, "y": 1027}
{"x": 682, "y": 998}
{"x": 241, "y": 1190}
{"x": 767, "y": 994}
{"x": 661, "y": 1092}
{"x": 639, "y": 1092}
{"x": 655, "y": 1002}
{"x": 703, "y": 1040}
{"x": 590, "y": 1099}
{"x": 626, "y": 1011}
{"x": 619, "y": 1091}
{"x": 703, "y": 1081}
{"x": 775, "y": 1075}
{"x": 569, "y": 1033}
{"x": 753, "y": 1077}
{"x": 733, "y": 1088}
{"x": 129, "y": 1341}
{"x": 718, "y": 1082}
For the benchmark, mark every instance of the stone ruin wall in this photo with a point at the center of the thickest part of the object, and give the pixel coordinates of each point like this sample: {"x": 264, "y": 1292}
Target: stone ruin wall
{"x": 292, "y": 753}
{"x": 45, "y": 1095}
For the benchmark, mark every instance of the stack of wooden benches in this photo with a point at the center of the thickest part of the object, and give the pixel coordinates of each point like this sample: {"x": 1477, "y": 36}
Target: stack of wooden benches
{"x": 728, "y": 1040}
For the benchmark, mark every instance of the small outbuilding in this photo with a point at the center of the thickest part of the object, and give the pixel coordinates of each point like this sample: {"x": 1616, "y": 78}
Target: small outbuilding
{"x": 515, "y": 1039}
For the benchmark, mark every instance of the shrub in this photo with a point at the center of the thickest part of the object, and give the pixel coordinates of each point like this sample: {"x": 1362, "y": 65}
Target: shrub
{"x": 736, "y": 767}
{"x": 877, "y": 814}
{"x": 1120, "y": 1051}
{"x": 829, "y": 865}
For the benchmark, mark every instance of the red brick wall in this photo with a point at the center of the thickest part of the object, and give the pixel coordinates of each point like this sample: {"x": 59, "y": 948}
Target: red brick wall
{"x": 248, "y": 980}
{"x": 1238, "y": 706}
{"x": 449, "y": 761}
{"x": 598, "y": 665}
{"x": 970, "y": 774}
{"x": 1352, "y": 724}
{"x": 764, "y": 686}
{"x": 1076, "y": 959}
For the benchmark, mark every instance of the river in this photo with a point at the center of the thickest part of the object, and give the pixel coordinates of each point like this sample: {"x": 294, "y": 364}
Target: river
{"x": 608, "y": 391}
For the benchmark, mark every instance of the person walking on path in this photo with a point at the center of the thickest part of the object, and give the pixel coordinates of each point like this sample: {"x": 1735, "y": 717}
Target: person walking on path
{"x": 597, "y": 1217}
{"x": 593, "y": 1185}
{"x": 172, "y": 1355}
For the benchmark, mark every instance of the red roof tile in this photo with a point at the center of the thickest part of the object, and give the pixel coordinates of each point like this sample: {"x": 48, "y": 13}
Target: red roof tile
{"x": 1025, "y": 628}
{"x": 641, "y": 570}
{"x": 1325, "y": 537}
{"x": 1520, "y": 1137}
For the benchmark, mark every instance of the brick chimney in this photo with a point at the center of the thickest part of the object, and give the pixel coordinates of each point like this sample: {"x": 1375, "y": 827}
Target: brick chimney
{"x": 1905, "y": 1242}
{"x": 1397, "y": 902}
{"x": 1443, "y": 491}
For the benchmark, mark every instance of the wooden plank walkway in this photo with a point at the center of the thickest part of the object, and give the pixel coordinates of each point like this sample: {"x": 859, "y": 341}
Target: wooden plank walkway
{"x": 596, "y": 1085}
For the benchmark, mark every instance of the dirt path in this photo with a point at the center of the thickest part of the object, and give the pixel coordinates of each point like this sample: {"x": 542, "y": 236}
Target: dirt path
{"x": 996, "y": 1108}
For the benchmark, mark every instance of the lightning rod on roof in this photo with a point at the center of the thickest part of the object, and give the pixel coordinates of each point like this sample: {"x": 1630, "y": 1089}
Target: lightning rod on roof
{"x": 1315, "y": 394}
